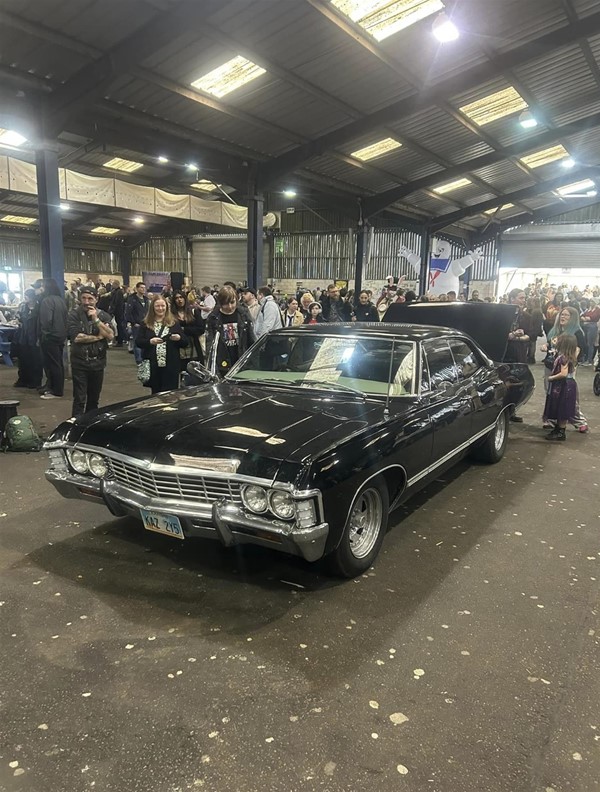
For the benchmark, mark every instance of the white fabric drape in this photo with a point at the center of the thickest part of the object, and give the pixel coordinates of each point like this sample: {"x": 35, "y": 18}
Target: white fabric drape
{"x": 206, "y": 211}
{"x": 134, "y": 196}
{"x": 235, "y": 216}
{"x": 172, "y": 205}
{"x": 22, "y": 176}
{"x": 90, "y": 189}
{"x": 4, "y": 179}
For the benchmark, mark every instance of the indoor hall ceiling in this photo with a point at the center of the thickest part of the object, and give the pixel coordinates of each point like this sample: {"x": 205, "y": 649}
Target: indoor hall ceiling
{"x": 113, "y": 79}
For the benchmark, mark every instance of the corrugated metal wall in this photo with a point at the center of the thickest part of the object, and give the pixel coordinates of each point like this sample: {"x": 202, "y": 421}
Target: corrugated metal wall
{"x": 26, "y": 254}
{"x": 219, "y": 258}
{"x": 161, "y": 255}
{"x": 330, "y": 255}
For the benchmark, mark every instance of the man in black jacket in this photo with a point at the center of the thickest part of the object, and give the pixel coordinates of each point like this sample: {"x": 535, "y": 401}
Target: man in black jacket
{"x": 135, "y": 313}
{"x": 89, "y": 331}
{"x": 117, "y": 310}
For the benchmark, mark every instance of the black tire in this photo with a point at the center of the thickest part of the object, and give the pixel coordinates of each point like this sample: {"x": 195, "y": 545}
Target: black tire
{"x": 359, "y": 546}
{"x": 492, "y": 449}
{"x": 597, "y": 384}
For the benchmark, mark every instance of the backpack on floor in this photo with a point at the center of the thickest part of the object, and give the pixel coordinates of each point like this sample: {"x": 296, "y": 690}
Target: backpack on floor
{"x": 20, "y": 435}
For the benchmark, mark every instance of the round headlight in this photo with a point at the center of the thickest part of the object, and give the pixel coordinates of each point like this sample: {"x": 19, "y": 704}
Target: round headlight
{"x": 97, "y": 465}
{"x": 282, "y": 505}
{"x": 255, "y": 499}
{"x": 78, "y": 461}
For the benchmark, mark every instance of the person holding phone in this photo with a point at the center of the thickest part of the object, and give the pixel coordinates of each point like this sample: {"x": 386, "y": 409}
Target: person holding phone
{"x": 90, "y": 332}
{"x": 160, "y": 338}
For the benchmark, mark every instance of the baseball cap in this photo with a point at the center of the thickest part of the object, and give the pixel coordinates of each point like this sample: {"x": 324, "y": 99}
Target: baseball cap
{"x": 88, "y": 290}
{"x": 248, "y": 289}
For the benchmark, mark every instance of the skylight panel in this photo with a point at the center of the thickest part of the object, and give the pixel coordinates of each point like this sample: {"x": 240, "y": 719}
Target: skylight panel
{"x": 383, "y": 18}
{"x": 205, "y": 185}
{"x": 227, "y": 78}
{"x": 376, "y": 149}
{"x": 581, "y": 187}
{"x": 453, "y": 185}
{"x": 120, "y": 164}
{"x": 105, "y": 230}
{"x": 20, "y": 219}
{"x": 498, "y": 209}
{"x": 9, "y": 137}
{"x": 539, "y": 158}
{"x": 496, "y": 105}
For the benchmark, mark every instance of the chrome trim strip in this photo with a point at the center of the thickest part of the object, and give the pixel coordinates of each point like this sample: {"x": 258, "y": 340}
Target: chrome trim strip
{"x": 453, "y": 453}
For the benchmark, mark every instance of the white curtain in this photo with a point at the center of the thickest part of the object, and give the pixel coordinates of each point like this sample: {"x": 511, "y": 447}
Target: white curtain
{"x": 206, "y": 211}
{"x": 235, "y": 216}
{"x": 133, "y": 196}
{"x": 90, "y": 189}
{"x": 172, "y": 205}
{"x": 22, "y": 176}
{"x": 4, "y": 178}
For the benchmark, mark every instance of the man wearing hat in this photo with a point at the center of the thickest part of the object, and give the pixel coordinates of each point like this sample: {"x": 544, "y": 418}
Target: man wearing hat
{"x": 89, "y": 331}
{"x": 251, "y": 303}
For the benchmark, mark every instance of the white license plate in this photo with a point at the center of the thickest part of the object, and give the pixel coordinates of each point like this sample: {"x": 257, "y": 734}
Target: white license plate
{"x": 162, "y": 523}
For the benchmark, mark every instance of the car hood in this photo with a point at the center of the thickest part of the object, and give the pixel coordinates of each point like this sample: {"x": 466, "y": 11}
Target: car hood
{"x": 259, "y": 428}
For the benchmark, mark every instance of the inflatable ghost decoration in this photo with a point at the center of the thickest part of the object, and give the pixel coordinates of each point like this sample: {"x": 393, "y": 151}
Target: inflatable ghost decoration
{"x": 444, "y": 272}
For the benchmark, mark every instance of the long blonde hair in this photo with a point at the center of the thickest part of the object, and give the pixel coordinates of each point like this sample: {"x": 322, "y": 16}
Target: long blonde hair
{"x": 150, "y": 320}
{"x": 566, "y": 345}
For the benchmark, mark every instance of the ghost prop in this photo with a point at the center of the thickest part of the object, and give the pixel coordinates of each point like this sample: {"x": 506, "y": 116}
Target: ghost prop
{"x": 444, "y": 272}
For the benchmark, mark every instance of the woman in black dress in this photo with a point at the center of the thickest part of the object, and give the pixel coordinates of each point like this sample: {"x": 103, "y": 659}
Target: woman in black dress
{"x": 192, "y": 324}
{"x": 160, "y": 338}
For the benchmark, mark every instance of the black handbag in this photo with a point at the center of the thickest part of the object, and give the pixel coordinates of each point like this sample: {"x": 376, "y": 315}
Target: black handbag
{"x": 548, "y": 361}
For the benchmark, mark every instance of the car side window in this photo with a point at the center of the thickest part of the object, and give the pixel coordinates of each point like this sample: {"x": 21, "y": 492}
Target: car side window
{"x": 466, "y": 359}
{"x": 442, "y": 368}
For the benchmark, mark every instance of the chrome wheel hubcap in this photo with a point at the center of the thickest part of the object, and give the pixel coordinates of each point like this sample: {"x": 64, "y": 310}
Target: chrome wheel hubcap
{"x": 500, "y": 433}
{"x": 365, "y": 523}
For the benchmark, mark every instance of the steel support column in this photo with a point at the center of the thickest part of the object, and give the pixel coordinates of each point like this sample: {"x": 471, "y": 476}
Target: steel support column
{"x": 424, "y": 273}
{"x": 362, "y": 242}
{"x": 51, "y": 237}
{"x": 255, "y": 240}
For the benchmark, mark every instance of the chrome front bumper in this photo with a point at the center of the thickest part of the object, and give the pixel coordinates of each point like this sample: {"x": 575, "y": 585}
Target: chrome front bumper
{"x": 221, "y": 520}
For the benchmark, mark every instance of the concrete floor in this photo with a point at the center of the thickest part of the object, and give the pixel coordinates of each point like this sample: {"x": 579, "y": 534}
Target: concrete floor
{"x": 465, "y": 661}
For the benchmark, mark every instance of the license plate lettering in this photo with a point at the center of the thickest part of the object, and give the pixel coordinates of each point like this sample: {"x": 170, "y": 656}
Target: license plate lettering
{"x": 167, "y": 524}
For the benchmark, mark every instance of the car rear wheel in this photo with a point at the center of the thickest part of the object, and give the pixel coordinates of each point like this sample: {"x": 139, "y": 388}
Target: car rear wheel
{"x": 493, "y": 447}
{"x": 364, "y": 531}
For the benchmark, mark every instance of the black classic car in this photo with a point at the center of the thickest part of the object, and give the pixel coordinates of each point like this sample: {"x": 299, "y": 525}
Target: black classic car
{"x": 305, "y": 446}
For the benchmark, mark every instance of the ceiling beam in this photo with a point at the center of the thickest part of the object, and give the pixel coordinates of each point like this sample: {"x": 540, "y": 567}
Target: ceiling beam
{"x": 86, "y": 85}
{"x": 468, "y": 79}
{"x": 443, "y": 221}
{"x": 379, "y": 202}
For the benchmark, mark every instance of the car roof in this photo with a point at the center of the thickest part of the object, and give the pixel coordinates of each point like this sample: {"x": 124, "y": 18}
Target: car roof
{"x": 410, "y": 332}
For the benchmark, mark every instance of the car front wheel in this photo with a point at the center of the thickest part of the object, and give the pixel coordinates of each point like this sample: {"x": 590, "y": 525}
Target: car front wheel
{"x": 493, "y": 447}
{"x": 364, "y": 531}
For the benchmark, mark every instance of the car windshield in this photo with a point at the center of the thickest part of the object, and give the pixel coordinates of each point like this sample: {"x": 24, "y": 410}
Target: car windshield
{"x": 364, "y": 365}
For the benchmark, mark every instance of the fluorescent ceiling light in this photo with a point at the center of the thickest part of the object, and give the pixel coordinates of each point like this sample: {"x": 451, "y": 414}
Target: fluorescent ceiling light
{"x": 120, "y": 164}
{"x": 8, "y": 137}
{"x": 568, "y": 163}
{"x": 498, "y": 209}
{"x": 18, "y": 219}
{"x": 226, "y": 78}
{"x": 205, "y": 184}
{"x": 289, "y": 193}
{"x": 453, "y": 185}
{"x": 138, "y": 220}
{"x": 65, "y": 207}
{"x": 527, "y": 121}
{"x": 444, "y": 29}
{"x": 376, "y": 149}
{"x": 163, "y": 159}
{"x": 191, "y": 166}
{"x": 577, "y": 187}
{"x": 105, "y": 230}
{"x": 496, "y": 105}
{"x": 544, "y": 157}
{"x": 383, "y": 18}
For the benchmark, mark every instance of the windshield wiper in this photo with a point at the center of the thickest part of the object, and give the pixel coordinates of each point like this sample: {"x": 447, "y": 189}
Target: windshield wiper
{"x": 333, "y": 385}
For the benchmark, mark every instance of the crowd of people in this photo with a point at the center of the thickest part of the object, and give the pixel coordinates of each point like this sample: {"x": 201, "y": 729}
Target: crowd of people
{"x": 166, "y": 331}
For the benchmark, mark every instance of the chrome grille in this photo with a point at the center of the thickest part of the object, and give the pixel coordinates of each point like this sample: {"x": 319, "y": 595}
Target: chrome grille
{"x": 197, "y": 489}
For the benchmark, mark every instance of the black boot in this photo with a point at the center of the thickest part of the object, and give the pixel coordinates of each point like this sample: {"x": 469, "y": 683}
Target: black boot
{"x": 557, "y": 434}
